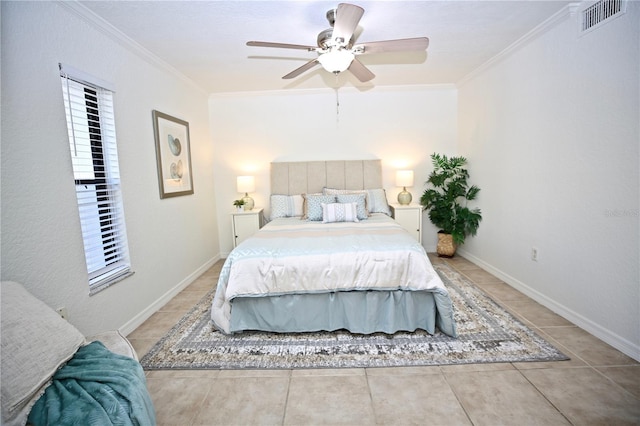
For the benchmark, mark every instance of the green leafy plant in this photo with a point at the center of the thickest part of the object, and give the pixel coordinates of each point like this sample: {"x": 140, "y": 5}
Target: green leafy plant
{"x": 446, "y": 200}
{"x": 238, "y": 203}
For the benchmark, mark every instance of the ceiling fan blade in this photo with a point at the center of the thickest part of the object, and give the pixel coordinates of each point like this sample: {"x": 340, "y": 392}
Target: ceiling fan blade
{"x": 301, "y": 69}
{"x": 347, "y": 18}
{"x": 281, "y": 45}
{"x": 361, "y": 72}
{"x": 401, "y": 45}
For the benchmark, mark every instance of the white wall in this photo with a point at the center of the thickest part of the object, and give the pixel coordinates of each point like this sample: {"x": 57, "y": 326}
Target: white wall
{"x": 170, "y": 240}
{"x": 552, "y": 134}
{"x": 401, "y": 126}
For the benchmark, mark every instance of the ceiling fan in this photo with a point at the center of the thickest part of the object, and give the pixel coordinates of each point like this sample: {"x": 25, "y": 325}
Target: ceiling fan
{"x": 336, "y": 49}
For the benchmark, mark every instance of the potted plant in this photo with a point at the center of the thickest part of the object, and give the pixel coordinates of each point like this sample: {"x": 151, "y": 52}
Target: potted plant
{"x": 446, "y": 201}
{"x": 239, "y": 203}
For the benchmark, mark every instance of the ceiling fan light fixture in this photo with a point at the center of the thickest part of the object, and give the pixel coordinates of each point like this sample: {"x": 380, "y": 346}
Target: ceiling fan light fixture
{"x": 336, "y": 52}
{"x": 336, "y": 60}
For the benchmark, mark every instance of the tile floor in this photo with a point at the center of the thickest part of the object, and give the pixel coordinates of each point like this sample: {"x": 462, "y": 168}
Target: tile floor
{"x": 598, "y": 386}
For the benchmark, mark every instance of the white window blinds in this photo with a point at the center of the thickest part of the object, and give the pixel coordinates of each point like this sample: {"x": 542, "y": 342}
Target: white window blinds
{"x": 92, "y": 143}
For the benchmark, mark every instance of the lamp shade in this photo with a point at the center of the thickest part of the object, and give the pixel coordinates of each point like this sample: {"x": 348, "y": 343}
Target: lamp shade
{"x": 336, "y": 61}
{"x": 246, "y": 184}
{"x": 404, "y": 178}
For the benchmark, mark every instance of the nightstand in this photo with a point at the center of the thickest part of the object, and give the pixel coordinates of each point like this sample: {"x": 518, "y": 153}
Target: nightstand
{"x": 245, "y": 223}
{"x": 410, "y": 218}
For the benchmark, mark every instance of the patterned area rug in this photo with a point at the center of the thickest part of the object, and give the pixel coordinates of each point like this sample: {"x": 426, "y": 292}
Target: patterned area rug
{"x": 486, "y": 333}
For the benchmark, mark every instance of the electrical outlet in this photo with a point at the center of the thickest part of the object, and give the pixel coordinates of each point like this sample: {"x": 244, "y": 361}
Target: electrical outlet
{"x": 62, "y": 312}
{"x": 534, "y": 254}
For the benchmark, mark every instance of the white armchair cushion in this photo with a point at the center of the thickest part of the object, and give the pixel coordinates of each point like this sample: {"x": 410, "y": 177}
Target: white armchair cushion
{"x": 36, "y": 341}
{"x": 116, "y": 343}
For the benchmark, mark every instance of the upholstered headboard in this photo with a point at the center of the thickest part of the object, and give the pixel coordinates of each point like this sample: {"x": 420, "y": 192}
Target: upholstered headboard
{"x": 291, "y": 178}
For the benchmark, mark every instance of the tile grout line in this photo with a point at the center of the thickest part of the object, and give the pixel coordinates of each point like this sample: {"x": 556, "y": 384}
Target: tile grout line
{"x": 286, "y": 398}
{"x": 373, "y": 406}
{"x": 455, "y": 394}
{"x": 201, "y": 404}
{"x": 616, "y": 384}
{"x": 544, "y": 396}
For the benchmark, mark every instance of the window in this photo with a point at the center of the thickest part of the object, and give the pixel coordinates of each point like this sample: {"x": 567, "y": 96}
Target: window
{"x": 92, "y": 143}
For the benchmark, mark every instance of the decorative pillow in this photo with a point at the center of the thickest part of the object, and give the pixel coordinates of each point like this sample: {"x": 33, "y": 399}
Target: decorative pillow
{"x": 359, "y": 199}
{"x": 36, "y": 341}
{"x": 339, "y": 212}
{"x": 377, "y": 201}
{"x": 314, "y": 205}
{"x": 286, "y": 206}
{"x": 376, "y": 198}
{"x": 305, "y": 209}
{"x": 333, "y": 191}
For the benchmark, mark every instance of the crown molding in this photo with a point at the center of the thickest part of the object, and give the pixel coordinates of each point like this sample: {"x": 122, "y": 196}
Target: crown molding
{"x": 548, "y": 24}
{"x": 332, "y": 90}
{"x": 121, "y": 38}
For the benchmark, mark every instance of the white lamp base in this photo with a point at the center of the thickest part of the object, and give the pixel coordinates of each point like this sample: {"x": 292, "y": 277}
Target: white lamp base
{"x": 248, "y": 202}
{"x": 404, "y": 198}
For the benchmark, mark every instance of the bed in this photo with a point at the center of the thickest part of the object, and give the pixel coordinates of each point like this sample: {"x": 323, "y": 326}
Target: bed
{"x": 330, "y": 258}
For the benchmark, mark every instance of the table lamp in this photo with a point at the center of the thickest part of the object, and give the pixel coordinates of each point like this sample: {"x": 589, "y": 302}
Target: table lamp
{"x": 246, "y": 184}
{"x": 404, "y": 178}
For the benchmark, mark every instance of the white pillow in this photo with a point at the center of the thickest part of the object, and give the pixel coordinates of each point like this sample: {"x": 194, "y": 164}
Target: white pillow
{"x": 286, "y": 206}
{"x": 36, "y": 341}
{"x": 339, "y": 212}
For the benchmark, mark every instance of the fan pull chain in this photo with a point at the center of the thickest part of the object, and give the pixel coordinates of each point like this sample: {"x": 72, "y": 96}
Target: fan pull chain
{"x": 337, "y": 101}
{"x": 337, "y": 107}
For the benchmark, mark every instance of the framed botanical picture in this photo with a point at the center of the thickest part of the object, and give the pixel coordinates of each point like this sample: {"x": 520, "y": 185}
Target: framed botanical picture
{"x": 173, "y": 155}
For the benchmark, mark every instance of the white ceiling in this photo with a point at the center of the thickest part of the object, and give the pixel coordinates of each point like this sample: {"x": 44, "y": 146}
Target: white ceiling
{"x": 205, "y": 40}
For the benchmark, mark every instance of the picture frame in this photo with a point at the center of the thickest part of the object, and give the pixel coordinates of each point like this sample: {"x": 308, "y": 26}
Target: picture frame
{"x": 173, "y": 155}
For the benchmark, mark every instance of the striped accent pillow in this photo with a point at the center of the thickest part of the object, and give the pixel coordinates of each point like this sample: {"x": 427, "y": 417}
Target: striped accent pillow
{"x": 339, "y": 212}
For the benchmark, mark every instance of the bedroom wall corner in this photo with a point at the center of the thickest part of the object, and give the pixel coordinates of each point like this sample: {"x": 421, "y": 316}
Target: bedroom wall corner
{"x": 552, "y": 135}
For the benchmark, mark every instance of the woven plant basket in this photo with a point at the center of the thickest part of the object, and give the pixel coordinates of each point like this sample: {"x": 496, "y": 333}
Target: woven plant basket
{"x": 446, "y": 247}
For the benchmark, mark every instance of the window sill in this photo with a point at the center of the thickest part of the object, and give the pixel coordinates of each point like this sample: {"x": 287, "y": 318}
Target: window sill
{"x": 98, "y": 287}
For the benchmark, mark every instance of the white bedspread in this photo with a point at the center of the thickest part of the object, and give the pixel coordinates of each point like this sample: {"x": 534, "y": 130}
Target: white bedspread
{"x": 290, "y": 255}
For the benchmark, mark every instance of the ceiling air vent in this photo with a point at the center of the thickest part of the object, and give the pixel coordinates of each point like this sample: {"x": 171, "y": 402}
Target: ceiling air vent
{"x": 600, "y": 12}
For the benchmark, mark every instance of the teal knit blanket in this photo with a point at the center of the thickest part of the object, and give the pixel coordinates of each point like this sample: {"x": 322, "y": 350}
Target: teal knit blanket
{"x": 96, "y": 387}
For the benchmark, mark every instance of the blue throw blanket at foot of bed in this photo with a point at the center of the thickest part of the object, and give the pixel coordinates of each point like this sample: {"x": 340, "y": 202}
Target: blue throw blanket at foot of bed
{"x": 96, "y": 387}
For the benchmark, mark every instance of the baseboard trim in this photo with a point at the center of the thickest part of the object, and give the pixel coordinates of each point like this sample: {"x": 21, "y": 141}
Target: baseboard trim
{"x": 607, "y": 336}
{"x": 137, "y": 321}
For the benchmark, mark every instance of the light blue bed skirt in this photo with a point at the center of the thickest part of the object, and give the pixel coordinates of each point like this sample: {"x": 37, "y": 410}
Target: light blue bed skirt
{"x": 362, "y": 312}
